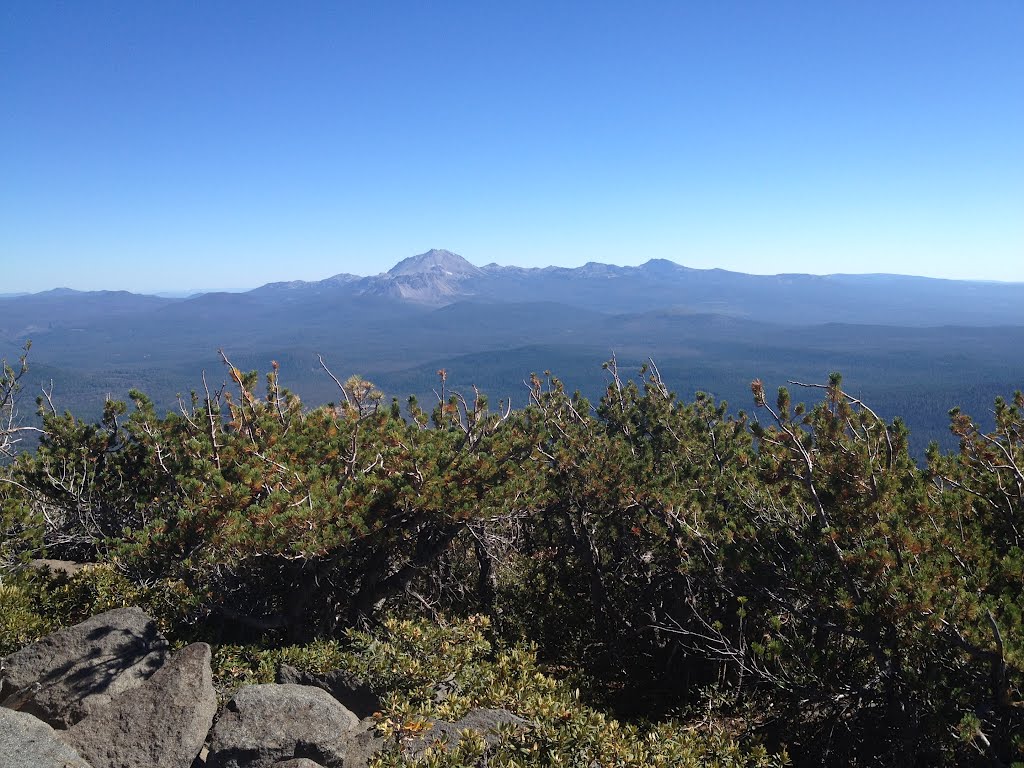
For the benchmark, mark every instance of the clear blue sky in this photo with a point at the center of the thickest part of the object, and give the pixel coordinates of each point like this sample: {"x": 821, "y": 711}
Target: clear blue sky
{"x": 151, "y": 146}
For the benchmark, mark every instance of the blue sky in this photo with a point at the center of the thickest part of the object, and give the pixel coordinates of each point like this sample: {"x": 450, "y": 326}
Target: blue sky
{"x": 161, "y": 146}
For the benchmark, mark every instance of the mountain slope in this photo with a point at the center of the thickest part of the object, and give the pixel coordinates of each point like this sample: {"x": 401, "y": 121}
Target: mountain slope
{"x": 440, "y": 277}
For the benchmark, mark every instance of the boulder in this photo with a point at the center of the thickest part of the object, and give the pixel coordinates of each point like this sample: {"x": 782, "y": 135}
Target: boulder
{"x": 363, "y": 744}
{"x": 266, "y": 724}
{"x": 28, "y": 742}
{"x": 349, "y": 690}
{"x": 484, "y": 721}
{"x": 161, "y": 724}
{"x": 300, "y": 762}
{"x": 80, "y": 669}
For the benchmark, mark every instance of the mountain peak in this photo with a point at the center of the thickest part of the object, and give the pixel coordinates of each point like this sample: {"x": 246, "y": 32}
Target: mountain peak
{"x": 434, "y": 260}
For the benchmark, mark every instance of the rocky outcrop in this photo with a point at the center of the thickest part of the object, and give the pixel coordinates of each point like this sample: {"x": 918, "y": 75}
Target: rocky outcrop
{"x": 265, "y": 724}
{"x": 363, "y": 744}
{"x": 81, "y": 668}
{"x": 163, "y": 723}
{"x": 28, "y": 742}
{"x": 119, "y": 700}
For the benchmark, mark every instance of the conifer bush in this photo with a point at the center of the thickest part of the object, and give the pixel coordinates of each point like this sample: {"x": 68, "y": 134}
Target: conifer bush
{"x": 787, "y": 577}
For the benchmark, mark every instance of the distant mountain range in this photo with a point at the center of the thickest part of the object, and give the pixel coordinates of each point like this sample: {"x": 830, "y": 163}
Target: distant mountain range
{"x": 914, "y": 346}
{"x": 440, "y": 277}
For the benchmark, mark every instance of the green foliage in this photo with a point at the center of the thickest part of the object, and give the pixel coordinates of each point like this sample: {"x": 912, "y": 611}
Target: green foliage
{"x": 840, "y": 611}
{"x": 794, "y": 577}
{"x": 21, "y": 530}
{"x": 290, "y": 520}
{"x": 38, "y": 601}
{"x": 980, "y": 496}
{"x": 20, "y": 622}
{"x": 94, "y": 589}
{"x": 415, "y": 660}
{"x": 409, "y": 659}
{"x": 91, "y": 482}
{"x": 607, "y": 565}
{"x": 35, "y": 602}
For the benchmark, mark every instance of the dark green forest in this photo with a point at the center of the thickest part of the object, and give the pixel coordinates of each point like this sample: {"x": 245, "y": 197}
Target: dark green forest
{"x": 648, "y": 579}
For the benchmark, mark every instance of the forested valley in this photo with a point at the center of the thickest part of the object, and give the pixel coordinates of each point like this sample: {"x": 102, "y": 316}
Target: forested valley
{"x": 646, "y": 580}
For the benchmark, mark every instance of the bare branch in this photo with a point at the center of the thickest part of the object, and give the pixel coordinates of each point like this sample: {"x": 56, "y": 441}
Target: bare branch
{"x": 335, "y": 379}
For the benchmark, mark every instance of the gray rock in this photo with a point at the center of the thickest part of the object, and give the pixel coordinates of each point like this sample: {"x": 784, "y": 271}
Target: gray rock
{"x": 349, "y": 690}
{"x": 265, "y": 724}
{"x": 363, "y": 744}
{"x": 486, "y": 722}
{"x": 66, "y": 567}
{"x": 81, "y": 668}
{"x": 300, "y": 762}
{"x": 161, "y": 724}
{"x": 28, "y": 742}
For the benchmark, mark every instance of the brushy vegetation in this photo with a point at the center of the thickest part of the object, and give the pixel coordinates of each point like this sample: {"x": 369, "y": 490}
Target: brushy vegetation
{"x": 738, "y": 589}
